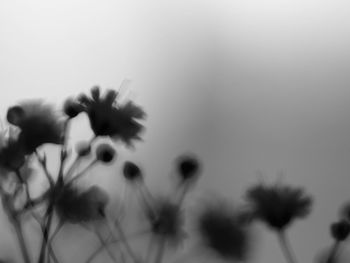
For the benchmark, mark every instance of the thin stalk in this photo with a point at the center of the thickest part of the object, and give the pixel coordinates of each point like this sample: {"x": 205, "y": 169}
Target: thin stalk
{"x": 160, "y": 251}
{"x": 19, "y": 233}
{"x": 110, "y": 241}
{"x": 42, "y": 161}
{"x": 124, "y": 240}
{"x": 83, "y": 172}
{"x": 333, "y": 252}
{"x": 286, "y": 248}
{"x": 105, "y": 245}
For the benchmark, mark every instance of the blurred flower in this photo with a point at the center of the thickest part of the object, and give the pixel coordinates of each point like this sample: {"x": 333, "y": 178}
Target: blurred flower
{"x": 83, "y": 148}
{"x": 131, "y": 171}
{"x": 278, "y": 205}
{"x": 105, "y": 153}
{"x": 188, "y": 167}
{"x": 72, "y": 108}
{"x": 109, "y": 119}
{"x": 340, "y": 230}
{"x": 223, "y": 231}
{"x": 75, "y": 206}
{"x": 38, "y": 122}
{"x": 166, "y": 221}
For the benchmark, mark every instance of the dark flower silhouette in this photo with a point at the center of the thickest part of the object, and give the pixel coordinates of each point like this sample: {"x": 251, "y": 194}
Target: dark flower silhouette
{"x": 109, "y": 119}
{"x": 166, "y": 220}
{"x": 72, "y": 108}
{"x": 105, "y": 153}
{"x": 278, "y": 205}
{"x": 131, "y": 171}
{"x": 75, "y": 206}
{"x": 340, "y": 230}
{"x": 223, "y": 231}
{"x": 38, "y": 122}
{"x": 188, "y": 167}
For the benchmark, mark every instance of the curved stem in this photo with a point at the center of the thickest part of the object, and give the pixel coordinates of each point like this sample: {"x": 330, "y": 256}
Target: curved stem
{"x": 285, "y": 246}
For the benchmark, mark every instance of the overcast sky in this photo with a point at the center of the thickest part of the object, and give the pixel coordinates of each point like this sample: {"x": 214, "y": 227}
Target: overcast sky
{"x": 253, "y": 87}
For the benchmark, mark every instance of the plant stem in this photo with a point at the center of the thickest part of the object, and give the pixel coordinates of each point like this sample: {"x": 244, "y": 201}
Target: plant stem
{"x": 19, "y": 232}
{"x": 333, "y": 252}
{"x": 160, "y": 251}
{"x": 285, "y": 246}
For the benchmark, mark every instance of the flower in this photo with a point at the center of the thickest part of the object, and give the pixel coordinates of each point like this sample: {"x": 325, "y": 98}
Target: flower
{"x": 131, "y": 171}
{"x": 105, "y": 153}
{"x": 166, "y": 221}
{"x": 188, "y": 167}
{"x": 278, "y": 205}
{"x": 75, "y": 206}
{"x": 223, "y": 231}
{"x": 109, "y": 119}
{"x": 38, "y": 122}
{"x": 340, "y": 230}
{"x": 72, "y": 108}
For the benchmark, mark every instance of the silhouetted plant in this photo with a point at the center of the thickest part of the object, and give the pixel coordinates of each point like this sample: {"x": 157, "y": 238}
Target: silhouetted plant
{"x": 278, "y": 206}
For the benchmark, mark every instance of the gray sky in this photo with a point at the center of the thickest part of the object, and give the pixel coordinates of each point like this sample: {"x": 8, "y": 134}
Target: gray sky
{"x": 250, "y": 86}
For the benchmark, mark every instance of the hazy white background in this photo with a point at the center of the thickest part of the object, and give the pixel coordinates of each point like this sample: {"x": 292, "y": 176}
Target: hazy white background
{"x": 248, "y": 85}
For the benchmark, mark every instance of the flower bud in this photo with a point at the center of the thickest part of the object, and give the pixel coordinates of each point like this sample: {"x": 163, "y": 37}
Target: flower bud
{"x": 105, "y": 153}
{"x": 340, "y": 230}
{"x": 187, "y": 167}
{"x": 72, "y": 108}
{"x": 131, "y": 171}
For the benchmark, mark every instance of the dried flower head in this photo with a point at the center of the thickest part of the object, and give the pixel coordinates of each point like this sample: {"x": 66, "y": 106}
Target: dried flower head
{"x": 340, "y": 230}
{"x": 278, "y": 205}
{"x": 105, "y": 153}
{"x": 39, "y": 124}
{"x": 188, "y": 167}
{"x": 109, "y": 119}
{"x": 75, "y": 206}
{"x": 131, "y": 171}
{"x": 223, "y": 230}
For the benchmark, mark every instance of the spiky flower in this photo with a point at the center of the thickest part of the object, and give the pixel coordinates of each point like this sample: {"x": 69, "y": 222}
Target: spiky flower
{"x": 223, "y": 230}
{"x": 76, "y": 206}
{"x": 107, "y": 118}
{"x": 278, "y": 205}
{"x": 39, "y": 124}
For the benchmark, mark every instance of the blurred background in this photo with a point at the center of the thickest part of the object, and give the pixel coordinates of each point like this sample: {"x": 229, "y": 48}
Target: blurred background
{"x": 257, "y": 89}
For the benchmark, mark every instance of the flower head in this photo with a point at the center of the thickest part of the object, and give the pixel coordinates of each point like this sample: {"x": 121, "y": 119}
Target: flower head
{"x": 340, "y": 230}
{"x": 72, "y": 108}
{"x": 188, "y": 167}
{"x": 278, "y": 205}
{"x": 38, "y": 122}
{"x": 223, "y": 231}
{"x": 75, "y": 206}
{"x": 109, "y": 119}
{"x": 105, "y": 153}
{"x": 166, "y": 221}
{"x": 131, "y": 171}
